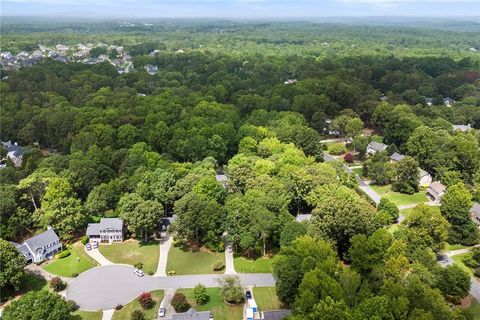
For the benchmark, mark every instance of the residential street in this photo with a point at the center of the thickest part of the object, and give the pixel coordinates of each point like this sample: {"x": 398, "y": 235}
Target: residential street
{"x": 107, "y": 286}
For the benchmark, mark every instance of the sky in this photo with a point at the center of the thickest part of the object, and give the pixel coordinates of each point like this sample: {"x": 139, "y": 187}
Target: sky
{"x": 240, "y": 8}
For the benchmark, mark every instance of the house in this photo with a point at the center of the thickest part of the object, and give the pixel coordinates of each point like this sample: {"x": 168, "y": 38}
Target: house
{"x": 40, "y": 247}
{"x": 462, "y": 127}
{"x": 475, "y": 211}
{"x": 165, "y": 222}
{"x": 303, "y": 217}
{"x": 448, "y": 101}
{"x": 223, "y": 180}
{"x": 396, "y": 157}
{"x": 435, "y": 191}
{"x": 192, "y": 314}
{"x": 374, "y": 147}
{"x": 276, "y": 314}
{"x": 14, "y": 152}
{"x": 290, "y": 81}
{"x": 429, "y": 101}
{"x": 108, "y": 230}
{"x": 425, "y": 178}
{"x": 151, "y": 69}
{"x": 383, "y": 97}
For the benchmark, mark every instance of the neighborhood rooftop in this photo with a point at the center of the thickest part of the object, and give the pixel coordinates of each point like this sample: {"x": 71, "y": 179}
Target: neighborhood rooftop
{"x": 476, "y": 210}
{"x": 192, "y": 314}
{"x": 462, "y": 127}
{"x": 397, "y": 156}
{"x": 377, "y": 145}
{"x": 41, "y": 240}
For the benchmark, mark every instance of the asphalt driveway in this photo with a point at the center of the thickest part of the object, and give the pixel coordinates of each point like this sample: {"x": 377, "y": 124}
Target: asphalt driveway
{"x": 107, "y": 286}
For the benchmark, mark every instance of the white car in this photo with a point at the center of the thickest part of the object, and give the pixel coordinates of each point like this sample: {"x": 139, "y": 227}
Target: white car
{"x": 139, "y": 272}
{"x": 161, "y": 312}
{"x": 95, "y": 245}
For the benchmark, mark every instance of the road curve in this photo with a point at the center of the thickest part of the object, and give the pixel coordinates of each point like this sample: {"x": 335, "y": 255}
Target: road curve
{"x": 107, "y": 286}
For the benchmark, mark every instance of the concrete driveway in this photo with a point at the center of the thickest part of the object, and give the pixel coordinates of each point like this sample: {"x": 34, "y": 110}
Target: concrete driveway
{"x": 107, "y": 286}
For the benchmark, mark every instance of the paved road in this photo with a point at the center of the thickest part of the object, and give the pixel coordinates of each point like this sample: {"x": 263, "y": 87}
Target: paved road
{"x": 107, "y": 286}
{"x": 165, "y": 244}
{"x": 475, "y": 284}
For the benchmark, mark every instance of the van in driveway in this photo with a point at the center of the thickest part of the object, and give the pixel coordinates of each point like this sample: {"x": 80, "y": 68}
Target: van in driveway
{"x": 161, "y": 310}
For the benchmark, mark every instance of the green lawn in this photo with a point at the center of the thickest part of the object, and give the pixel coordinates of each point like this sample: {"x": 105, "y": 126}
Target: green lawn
{"x": 266, "y": 298}
{"x": 358, "y": 171}
{"x": 219, "y": 309}
{"x": 474, "y": 309}
{"x": 259, "y": 265}
{"x": 150, "y": 314}
{"x": 186, "y": 261}
{"x": 77, "y": 262}
{"x": 87, "y": 315}
{"x": 453, "y": 247}
{"x": 400, "y": 199}
{"x": 459, "y": 261}
{"x": 132, "y": 252}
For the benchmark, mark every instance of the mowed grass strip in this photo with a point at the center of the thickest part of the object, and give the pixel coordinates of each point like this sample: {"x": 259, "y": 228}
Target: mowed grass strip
{"x": 459, "y": 261}
{"x": 131, "y": 252}
{"x": 216, "y": 305}
{"x": 77, "y": 262}
{"x": 186, "y": 261}
{"x": 87, "y": 315}
{"x": 398, "y": 198}
{"x": 266, "y": 298}
{"x": 259, "y": 265}
{"x": 150, "y": 314}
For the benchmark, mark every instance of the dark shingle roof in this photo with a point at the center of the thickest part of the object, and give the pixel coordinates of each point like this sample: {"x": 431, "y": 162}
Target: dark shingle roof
{"x": 192, "y": 314}
{"x": 377, "y": 145}
{"x": 476, "y": 210}
{"x": 276, "y": 314}
{"x": 396, "y": 156}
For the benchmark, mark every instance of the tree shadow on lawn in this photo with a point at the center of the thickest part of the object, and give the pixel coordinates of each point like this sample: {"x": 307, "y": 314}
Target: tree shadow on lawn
{"x": 31, "y": 282}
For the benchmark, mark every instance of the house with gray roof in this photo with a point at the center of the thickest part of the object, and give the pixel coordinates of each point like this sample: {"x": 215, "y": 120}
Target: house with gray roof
{"x": 374, "y": 147}
{"x": 223, "y": 180}
{"x": 303, "y": 217}
{"x": 40, "y": 247}
{"x": 436, "y": 190}
{"x": 425, "y": 179}
{"x": 396, "y": 157}
{"x": 462, "y": 127}
{"x": 448, "y": 101}
{"x": 108, "y": 230}
{"x": 475, "y": 211}
{"x": 192, "y": 314}
{"x": 276, "y": 314}
{"x": 14, "y": 152}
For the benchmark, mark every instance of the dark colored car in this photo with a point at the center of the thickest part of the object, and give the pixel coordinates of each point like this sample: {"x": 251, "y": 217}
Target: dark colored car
{"x": 248, "y": 295}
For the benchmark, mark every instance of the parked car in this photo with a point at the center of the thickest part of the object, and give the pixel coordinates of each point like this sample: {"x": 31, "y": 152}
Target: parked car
{"x": 88, "y": 247}
{"x": 210, "y": 316}
{"x": 161, "y": 312}
{"x": 248, "y": 295}
{"x": 95, "y": 245}
{"x": 139, "y": 272}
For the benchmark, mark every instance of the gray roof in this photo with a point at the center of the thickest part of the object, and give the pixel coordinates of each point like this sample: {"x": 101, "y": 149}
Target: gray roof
{"x": 93, "y": 229}
{"x": 476, "y": 209}
{"x": 276, "y": 314}
{"x": 221, "y": 177}
{"x": 42, "y": 240}
{"x": 396, "y": 156}
{"x": 112, "y": 223}
{"x": 423, "y": 173}
{"x": 192, "y": 314}
{"x": 377, "y": 145}
{"x": 437, "y": 187}
{"x": 22, "y": 248}
{"x": 448, "y": 99}
{"x": 303, "y": 217}
{"x": 17, "y": 150}
{"x": 462, "y": 127}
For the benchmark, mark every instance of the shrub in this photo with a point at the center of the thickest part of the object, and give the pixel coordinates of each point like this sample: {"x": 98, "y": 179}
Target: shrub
{"x": 57, "y": 284}
{"x": 389, "y": 207}
{"x": 172, "y": 272}
{"x": 150, "y": 273}
{"x": 200, "y": 294}
{"x": 218, "y": 265}
{"x": 65, "y": 253}
{"x": 138, "y": 265}
{"x": 348, "y": 157}
{"x": 179, "y": 302}
{"x": 231, "y": 290}
{"x": 84, "y": 240}
{"x": 337, "y": 149}
{"x": 73, "y": 305}
{"x": 75, "y": 275}
{"x": 118, "y": 307}
{"x": 145, "y": 300}
{"x": 137, "y": 315}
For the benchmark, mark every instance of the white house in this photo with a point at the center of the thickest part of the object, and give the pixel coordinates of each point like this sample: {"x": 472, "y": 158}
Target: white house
{"x": 108, "y": 230}
{"x": 425, "y": 178}
{"x": 448, "y": 101}
{"x": 40, "y": 247}
{"x": 462, "y": 127}
{"x": 14, "y": 152}
{"x": 374, "y": 147}
{"x": 436, "y": 190}
{"x": 475, "y": 211}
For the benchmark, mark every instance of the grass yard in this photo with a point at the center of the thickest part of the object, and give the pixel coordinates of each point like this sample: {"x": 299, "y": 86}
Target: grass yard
{"x": 219, "y": 309}
{"x": 358, "y": 171}
{"x": 77, "y": 262}
{"x": 459, "y": 261}
{"x": 150, "y": 314}
{"x": 185, "y": 261}
{"x": 474, "y": 309}
{"x": 266, "y": 298}
{"x": 87, "y": 315}
{"x": 400, "y": 199}
{"x": 131, "y": 252}
{"x": 259, "y": 265}
{"x": 453, "y": 247}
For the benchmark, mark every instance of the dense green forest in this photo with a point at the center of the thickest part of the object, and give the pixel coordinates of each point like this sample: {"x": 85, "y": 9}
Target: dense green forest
{"x": 143, "y": 146}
